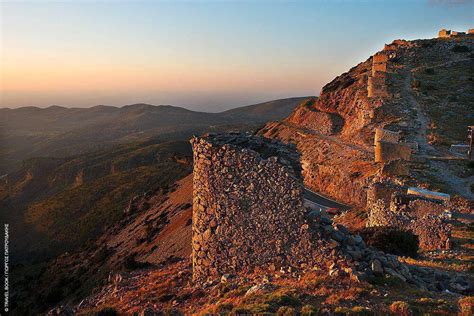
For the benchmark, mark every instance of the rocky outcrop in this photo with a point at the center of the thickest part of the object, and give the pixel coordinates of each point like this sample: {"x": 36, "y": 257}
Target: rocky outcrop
{"x": 309, "y": 117}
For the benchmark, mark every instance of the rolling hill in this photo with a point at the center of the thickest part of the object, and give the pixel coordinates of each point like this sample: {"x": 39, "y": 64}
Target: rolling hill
{"x": 60, "y": 132}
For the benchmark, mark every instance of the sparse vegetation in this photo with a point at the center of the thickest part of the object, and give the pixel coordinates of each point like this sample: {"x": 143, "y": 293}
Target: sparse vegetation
{"x": 401, "y": 308}
{"x": 309, "y": 310}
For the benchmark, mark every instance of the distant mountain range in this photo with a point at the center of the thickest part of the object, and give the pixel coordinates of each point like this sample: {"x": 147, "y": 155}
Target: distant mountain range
{"x": 60, "y": 132}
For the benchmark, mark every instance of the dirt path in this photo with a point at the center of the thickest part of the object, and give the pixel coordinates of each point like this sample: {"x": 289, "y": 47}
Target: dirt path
{"x": 332, "y": 139}
{"x": 440, "y": 169}
{"x": 421, "y": 119}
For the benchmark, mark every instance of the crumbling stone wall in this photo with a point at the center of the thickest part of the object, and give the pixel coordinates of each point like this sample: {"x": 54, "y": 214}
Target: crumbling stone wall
{"x": 307, "y": 116}
{"x": 376, "y": 86}
{"x": 387, "y": 151}
{"x": 388, "y": 206}
{"x": 376, "y": 82}
{"x": 248, "y": 204}
{"x": 395, "y": 45}
{"x": 379, "y": 63}
{"x": 386, "y": 136}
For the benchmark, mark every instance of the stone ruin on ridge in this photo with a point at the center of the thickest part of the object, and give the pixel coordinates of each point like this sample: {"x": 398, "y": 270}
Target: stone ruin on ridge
{"x": 248, "y": 216}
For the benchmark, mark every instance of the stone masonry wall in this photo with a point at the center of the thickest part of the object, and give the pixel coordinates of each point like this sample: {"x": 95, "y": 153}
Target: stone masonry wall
{"x": 248, "y": 204}
{"x": 387, "y": 151}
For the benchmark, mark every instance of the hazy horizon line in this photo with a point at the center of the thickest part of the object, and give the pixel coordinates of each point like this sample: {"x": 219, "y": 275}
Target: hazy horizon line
{"x": 145, "y": 103}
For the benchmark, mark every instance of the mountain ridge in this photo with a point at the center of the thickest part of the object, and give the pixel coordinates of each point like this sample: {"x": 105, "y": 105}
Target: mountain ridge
{"x": 58, "y": 132}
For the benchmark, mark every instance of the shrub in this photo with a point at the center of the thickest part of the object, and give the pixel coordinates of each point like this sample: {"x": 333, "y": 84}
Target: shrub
{"x": 391, "y": 240}
{"x": 361, "y": 310}
{"x": 415, "y": 84}
{"x": 429, "y": 71}
{"x": 223, "y": 308}
{"x": 400, "y": 308}
{"x": 286, "y": 311}
{"x": 466, "y": 305}
{"x": 284, "y": 300}
{"x": 460, "y": 49}
{"x": 255, "y": 308}
{"x": 309, "y": 310}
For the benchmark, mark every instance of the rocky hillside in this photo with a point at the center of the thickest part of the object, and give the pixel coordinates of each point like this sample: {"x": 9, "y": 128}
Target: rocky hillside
{"x": 269, "y": 111}
{"x": 63, "y": 202}
{"x": 155, "y": 230}
{"x": 427, "y": 95}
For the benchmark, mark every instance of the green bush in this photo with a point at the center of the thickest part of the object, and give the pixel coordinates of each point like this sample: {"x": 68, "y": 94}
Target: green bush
{"x": 286, "y": 311}
{"x": 460, "y": 49}
{"x": 309, "y": 310}
{"x": 391, "y": 240}
{"x": 429, "y": 71}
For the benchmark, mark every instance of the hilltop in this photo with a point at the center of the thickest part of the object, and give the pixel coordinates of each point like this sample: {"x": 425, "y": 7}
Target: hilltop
{"x": 427, "y": 96}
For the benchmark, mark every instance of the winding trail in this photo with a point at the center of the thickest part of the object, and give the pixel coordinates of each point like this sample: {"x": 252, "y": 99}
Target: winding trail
{"x": 332, "y": 139}
{"x": 459, "y": 185}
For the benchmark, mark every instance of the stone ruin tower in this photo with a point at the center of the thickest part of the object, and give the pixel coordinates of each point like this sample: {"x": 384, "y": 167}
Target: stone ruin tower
{"x": 382, "y": 68}
{"x": 248, "y": 204}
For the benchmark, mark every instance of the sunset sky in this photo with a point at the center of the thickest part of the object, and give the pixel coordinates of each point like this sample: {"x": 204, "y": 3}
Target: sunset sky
{"x": 203, "y": 55}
